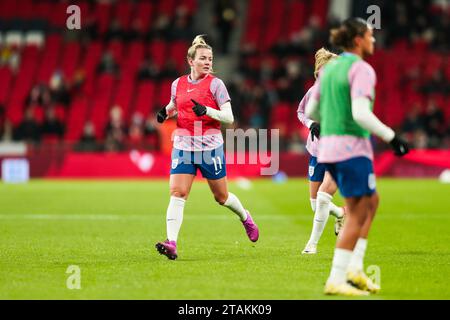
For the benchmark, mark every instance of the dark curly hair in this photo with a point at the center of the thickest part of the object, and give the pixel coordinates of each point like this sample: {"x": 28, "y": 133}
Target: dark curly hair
{"x": 343, "y": 36}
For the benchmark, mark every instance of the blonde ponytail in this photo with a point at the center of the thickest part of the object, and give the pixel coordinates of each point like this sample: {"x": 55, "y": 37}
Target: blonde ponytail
{"x": 199, "y": 42}
{"x": 322, "y": 57}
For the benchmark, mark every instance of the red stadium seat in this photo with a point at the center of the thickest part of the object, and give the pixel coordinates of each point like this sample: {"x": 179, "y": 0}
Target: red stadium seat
{"x": 275, "y": 21}
{"x": 135, "y": 54}
{"x": 58, "y": 14}
{"x": 158, "y": 52}
{"x": 76, "y": 119}
{"x": 178, "y": 51}
{"x": 144, "y": 13}
{"x": 8, "y": 9}
{"x": 124, "y": 95}
{"x": 297, "y": 16}
{"x": 25, "y": 9}
{"x": 116, "y": 49}
{"x": 145, "y": 95}
{"x": 191, "y": 5}
{"x": 255, "y": 21}
{"x": 70, "y": 58}
{"x": 50, "y": 58}
{"x": 164, "y": 93}
{"x": 6, "y": 79}
{"x": 166, "y": 7}
{"x": 319, "y": 8}
{"x": 123, "y": 11}
{"x": 102, "y": 13}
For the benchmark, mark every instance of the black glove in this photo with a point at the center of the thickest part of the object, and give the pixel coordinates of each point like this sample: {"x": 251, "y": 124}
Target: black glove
{"x": 161, "y": 115}
{"x": 400, "y": 147}
{"x": 198, "y": 109}
{"x": 315, "y": 130}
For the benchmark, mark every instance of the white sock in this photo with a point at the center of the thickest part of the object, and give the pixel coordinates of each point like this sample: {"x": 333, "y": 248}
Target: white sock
{"x": 339, "y": 267}
{"x": 357, "y": 260}
{"x": 320, "y": 216}
{"x": 174, "y": 217}
{"x": 336, "y": 211}
{"x": 313, "y": 204}
{"x": 235, "y": 205}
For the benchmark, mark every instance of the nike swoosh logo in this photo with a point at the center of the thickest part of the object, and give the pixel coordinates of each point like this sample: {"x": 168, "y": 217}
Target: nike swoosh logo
{"x": 218, "y": 172}
{"x": 190, "y": 90}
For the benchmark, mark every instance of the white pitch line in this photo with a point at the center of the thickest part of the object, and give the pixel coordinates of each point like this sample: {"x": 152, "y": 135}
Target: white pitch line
{"x": 110, "y": 217}
{"x": 125, "y": 217}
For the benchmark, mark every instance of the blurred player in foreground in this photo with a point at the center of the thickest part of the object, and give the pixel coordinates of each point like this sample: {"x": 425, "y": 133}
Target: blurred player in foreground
{"x": 342, "y": 102}
{"x": 202, "y": 103}
{"x": 321, "y": 185}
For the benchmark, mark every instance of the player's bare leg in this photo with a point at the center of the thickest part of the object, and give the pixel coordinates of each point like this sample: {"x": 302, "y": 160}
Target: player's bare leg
{"x": 357, "y": 211}
{"x": 180, "y": 187}
{"x": 356, "y": 273}
{"x": 219, "y": 188}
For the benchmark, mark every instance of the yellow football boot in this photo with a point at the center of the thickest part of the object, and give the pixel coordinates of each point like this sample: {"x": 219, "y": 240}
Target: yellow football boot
{"x": 344, "y": 289}
{"x": 361, "y": 281}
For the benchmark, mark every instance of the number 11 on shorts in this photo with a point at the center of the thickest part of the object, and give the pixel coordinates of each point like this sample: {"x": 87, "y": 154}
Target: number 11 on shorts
{"x": 217, "y": 163}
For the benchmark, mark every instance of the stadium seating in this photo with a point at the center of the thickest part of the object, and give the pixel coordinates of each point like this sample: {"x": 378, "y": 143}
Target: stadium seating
{"x": 266, "y": 23}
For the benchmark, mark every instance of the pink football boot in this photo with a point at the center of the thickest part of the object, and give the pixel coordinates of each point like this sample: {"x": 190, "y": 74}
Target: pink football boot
{"x": 251, "y": 228}
{"x": 167, "y": 248}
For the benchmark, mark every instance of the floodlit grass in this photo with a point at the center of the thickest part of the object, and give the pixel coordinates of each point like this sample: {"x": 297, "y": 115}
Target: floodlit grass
{"x": 109, "y": 229}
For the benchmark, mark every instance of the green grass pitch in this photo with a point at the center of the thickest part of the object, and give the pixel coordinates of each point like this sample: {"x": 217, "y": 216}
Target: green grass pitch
{"x": 109, "y": 229}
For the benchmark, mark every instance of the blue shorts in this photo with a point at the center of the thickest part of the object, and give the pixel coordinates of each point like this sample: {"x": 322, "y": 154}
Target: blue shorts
{"x": 316, "y": 171}
{"x": 354, "y": 177}
{"x": 211, "y": 163}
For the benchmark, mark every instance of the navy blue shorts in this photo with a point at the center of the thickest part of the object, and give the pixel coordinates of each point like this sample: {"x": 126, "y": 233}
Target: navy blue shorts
{"x": 316, "y": 171}
{"x": 211, "y": 163}
{"x": 354, "y": 177}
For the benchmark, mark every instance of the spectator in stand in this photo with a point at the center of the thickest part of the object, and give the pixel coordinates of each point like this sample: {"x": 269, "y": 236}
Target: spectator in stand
{"x": 108, "y": 64}
{"x": 78, "y": 79}
{"x": 181, "y": 29}
{"x": 160, "y": 28}
{"x": 225, "y": 19}
{"x": 52, "y": 126}
{"x": 88, "y": 141}
{"x": 136, "y": 132}
{"x": 148, "y": 70}
{"x": 28, "y": 130}
{"x": 115, "y": 131}
{"x": 260, "y": 98}
{"x": 59, "y": 91}
{"x": 7, "y": 131}
{"x": 39, "y": 95}
{"x": 441, "y": 40}
{"x": 9, "y": 56}
{"x": 89, "y": 31}
{"x": 413, "y": 120}
{"x": 170, "y": 70}
{"x": 151, "y": 133}
{"x": 438, "y": 84}
{"x": 309, "y": 38}
{"x": 114, "y": 31}
{"x": 446, "y": 144}
{"x": 420, "y": 140}
{"x": 282, "y": 48}
{"x": 285, "y": 91}
{"x": 295, "y": 144}
{"x": 3, "y": 121}
{"x": 136, "y": 31}
{"x": 434, "y": 124}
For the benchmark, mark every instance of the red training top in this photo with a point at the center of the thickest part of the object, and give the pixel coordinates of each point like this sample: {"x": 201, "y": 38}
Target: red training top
{"x": 201, "y": 93}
